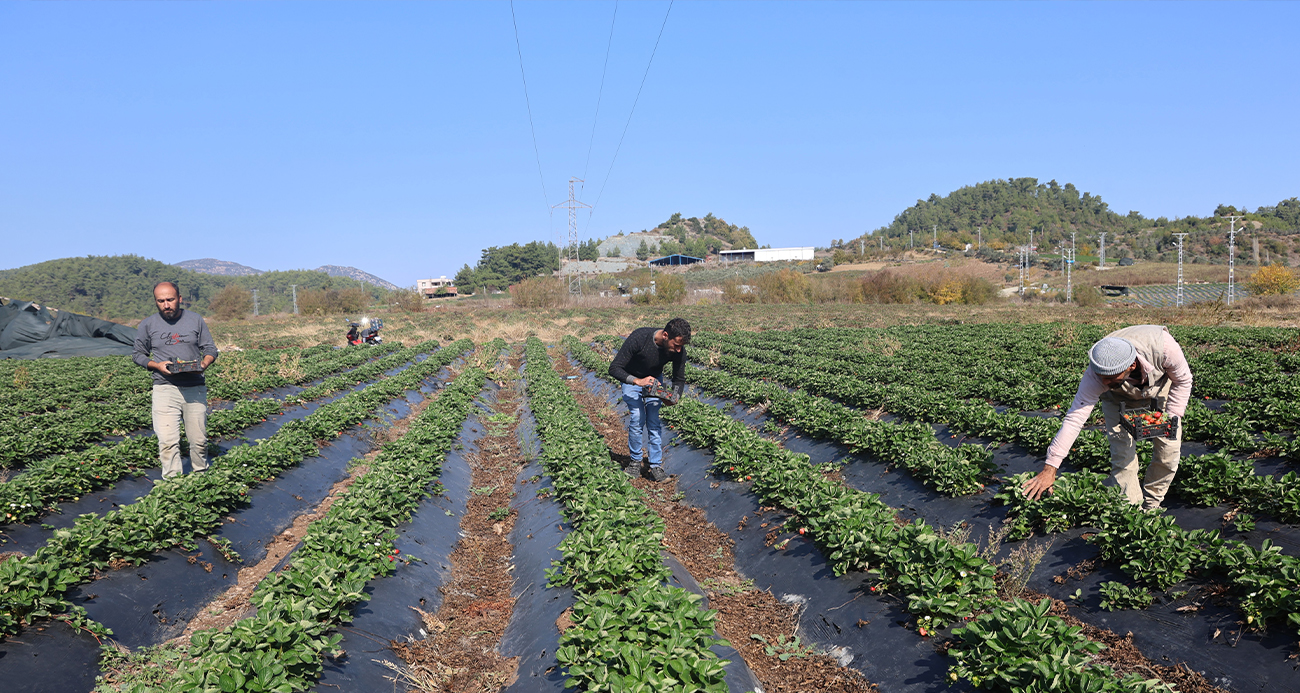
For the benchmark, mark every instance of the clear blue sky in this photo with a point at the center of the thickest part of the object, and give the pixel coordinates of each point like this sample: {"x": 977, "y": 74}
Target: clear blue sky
{"x": 394, "y": 136}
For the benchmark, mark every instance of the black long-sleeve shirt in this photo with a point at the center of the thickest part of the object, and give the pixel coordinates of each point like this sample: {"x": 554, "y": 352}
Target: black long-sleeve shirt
{"x": 640, "y": 357}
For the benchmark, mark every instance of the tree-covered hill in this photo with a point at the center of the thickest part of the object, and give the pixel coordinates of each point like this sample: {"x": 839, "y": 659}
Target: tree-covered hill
{"x": 698, "y": 237}
{"x": 120, "y": 287}
{"x": 1003, "y": 212}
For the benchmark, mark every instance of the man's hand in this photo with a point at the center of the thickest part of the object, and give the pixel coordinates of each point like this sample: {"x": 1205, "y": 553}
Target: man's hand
{"x": 207, "y": 361}
{"x": 644, "y": 382}
{"x": 1041, "y": 484}
{"x": 160, "y": 366}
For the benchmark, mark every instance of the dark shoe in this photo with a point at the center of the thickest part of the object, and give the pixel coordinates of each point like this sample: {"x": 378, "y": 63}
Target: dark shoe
{"x": 656, "y": 474}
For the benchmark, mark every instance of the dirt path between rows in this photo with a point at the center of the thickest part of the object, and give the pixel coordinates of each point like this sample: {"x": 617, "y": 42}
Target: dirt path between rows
{"x": 460, "y": 653}
{"x": 706, "y": 552}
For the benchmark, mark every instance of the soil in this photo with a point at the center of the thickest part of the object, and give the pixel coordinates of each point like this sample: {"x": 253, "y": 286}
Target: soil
{"x": 460, "y": 653}
{"x": 706, "y": 552}
{"x": 1123, "y": 656}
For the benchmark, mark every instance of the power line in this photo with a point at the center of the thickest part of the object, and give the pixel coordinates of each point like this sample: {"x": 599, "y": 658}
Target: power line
{"x": 631, "y": 113}
{"x": 600, "y": 93}
{"x": 529, "y": 105}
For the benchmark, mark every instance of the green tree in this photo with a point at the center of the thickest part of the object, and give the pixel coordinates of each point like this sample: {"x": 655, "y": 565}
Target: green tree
{"x": 643, "y": 251}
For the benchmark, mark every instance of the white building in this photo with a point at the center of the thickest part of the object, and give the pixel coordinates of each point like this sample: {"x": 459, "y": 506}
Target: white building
{"x": 767, "y": 254}
{"x": 434, "y": 287}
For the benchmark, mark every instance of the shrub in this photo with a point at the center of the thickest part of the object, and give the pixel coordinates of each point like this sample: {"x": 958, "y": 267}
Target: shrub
{"x": 887, "y": 287}
{"x": 783, "y": 286}
{"x": 327, "y": 301}
{"x": 976, "y": 291}
{"x": 668, "y": 288}
{"x": 232, "y": 303}
{"x": 734, "y": 291}
{"x": 1088, "y": 297}
{"x": 1273, "y": 280}
{"x": 407, "y": 299}
{"x": 540, "y": 292}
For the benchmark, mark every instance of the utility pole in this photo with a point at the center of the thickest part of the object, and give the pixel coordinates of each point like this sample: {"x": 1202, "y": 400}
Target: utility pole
{"x": 572, "y": 204}
{"x": 1179, "y": 290}
{"x": 294, "y": 287}
{"x": 254, "y": 302}
{"x": 979, "y": 239}
{"x": 1102, "y": 252}
{"x": 862, "y": 246}
{"x": 1069, "y": 266}
{"x": 1024, "y": 253}
{"x": 936, "y": 235}
{"x": 911, "y": 240}
{"x": 1232, "y": 254}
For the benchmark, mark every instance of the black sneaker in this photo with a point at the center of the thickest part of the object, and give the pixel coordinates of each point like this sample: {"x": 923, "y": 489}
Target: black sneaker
{"x": 656, "y": 474}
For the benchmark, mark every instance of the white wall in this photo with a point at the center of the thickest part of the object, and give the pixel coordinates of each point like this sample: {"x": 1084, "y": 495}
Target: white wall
{"x": 774, "y": 254}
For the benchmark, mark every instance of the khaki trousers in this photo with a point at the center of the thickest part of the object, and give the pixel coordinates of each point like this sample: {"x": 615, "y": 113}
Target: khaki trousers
{"x": 1124, "y": 462}
{"x": 171, "y": 405}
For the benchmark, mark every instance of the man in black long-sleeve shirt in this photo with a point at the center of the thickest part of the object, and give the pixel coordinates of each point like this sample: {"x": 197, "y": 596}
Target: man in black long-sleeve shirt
{"x": 639, "y": 363}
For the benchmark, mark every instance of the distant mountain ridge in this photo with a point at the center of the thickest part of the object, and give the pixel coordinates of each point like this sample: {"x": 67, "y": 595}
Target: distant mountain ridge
{"x": 226, "y": 268}
{"x": 354, "y": 273}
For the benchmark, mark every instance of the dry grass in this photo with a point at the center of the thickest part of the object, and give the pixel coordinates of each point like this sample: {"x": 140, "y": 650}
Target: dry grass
{"x": 483, "y": 323}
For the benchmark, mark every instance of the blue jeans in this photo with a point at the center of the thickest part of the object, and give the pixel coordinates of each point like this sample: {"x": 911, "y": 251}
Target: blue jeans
{"x": 645, "y": 414}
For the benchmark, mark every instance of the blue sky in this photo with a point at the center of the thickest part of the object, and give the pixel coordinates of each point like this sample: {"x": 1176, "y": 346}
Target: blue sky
{"x": 394, "y": 136}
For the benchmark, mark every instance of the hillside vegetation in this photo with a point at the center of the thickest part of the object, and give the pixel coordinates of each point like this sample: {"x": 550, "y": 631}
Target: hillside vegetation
{"x": 699, "y": 237}
{"x": 120, "y": 287}
{"x": 1003, "y": 212}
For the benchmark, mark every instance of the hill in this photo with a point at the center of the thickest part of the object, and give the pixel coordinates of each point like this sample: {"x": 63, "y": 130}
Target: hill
{"x": 223, "y": 268}
{"x": 999, "y": 214}
{"x": 354, "y": 273}
{"x": 120, "y": 287}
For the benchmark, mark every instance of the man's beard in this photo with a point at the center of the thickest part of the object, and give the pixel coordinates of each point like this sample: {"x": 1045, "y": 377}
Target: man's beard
{"x": 169, "y": 314}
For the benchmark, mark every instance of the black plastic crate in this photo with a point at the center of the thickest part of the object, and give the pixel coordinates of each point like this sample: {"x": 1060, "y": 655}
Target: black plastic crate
{"x": 1132, "y": 421}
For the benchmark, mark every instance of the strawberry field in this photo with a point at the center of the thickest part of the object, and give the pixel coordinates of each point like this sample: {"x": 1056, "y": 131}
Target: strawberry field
{"x": 844, "y": 513}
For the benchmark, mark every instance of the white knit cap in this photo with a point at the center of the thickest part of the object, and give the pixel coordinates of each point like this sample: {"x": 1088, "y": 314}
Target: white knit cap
{"x": 1112, "y": 355}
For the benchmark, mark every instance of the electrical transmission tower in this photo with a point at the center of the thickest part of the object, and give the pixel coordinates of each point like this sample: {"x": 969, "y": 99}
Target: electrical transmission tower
{"x": 1069, "y": 285}
{"x": 571, "y": 250}
{"x": 254, "y": 302}
{"x": 1179, "y": 291}
{"x": 1101, "y": 260}
{"x": 1232, "y": 254}
{"x": 295, "y": 298}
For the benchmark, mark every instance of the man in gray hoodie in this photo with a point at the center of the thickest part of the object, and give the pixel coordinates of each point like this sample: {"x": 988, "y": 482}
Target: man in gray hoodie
{"x": 176, "y": 335}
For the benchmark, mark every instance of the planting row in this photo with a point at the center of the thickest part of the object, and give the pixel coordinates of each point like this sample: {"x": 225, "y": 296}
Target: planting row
{"x": 121, "y": 405}
{"x": 1279, "y": 497}
{"x": 953, "y": 471}
{"x": 62, "y": 478}
{"x": 178, "y": 512}
{"x": 940, "y": 581}
{"x": 280, "y": 649}
{"x": 1151, "y": 548}
{"x": 1155, "y": 551}
{"x": 630, "y": 631}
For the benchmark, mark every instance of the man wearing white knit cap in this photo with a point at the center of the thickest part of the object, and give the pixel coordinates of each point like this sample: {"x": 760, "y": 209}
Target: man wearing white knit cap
{"x": 1129, "y": 365}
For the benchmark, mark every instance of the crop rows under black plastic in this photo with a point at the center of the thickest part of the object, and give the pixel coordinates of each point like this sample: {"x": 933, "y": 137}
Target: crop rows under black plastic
{"x": 1151, "y": 548}
{"x": 941, "y": 582}
{"x": 119, "y": 404}
{"x": 280, "y": 649}
{"x": 631, "y": 632}
{"x": 897, "y": 379}
{"x": 66, "y": 477}
{"x": 178, "y": 512}
{"x": 1279, "y": 497}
